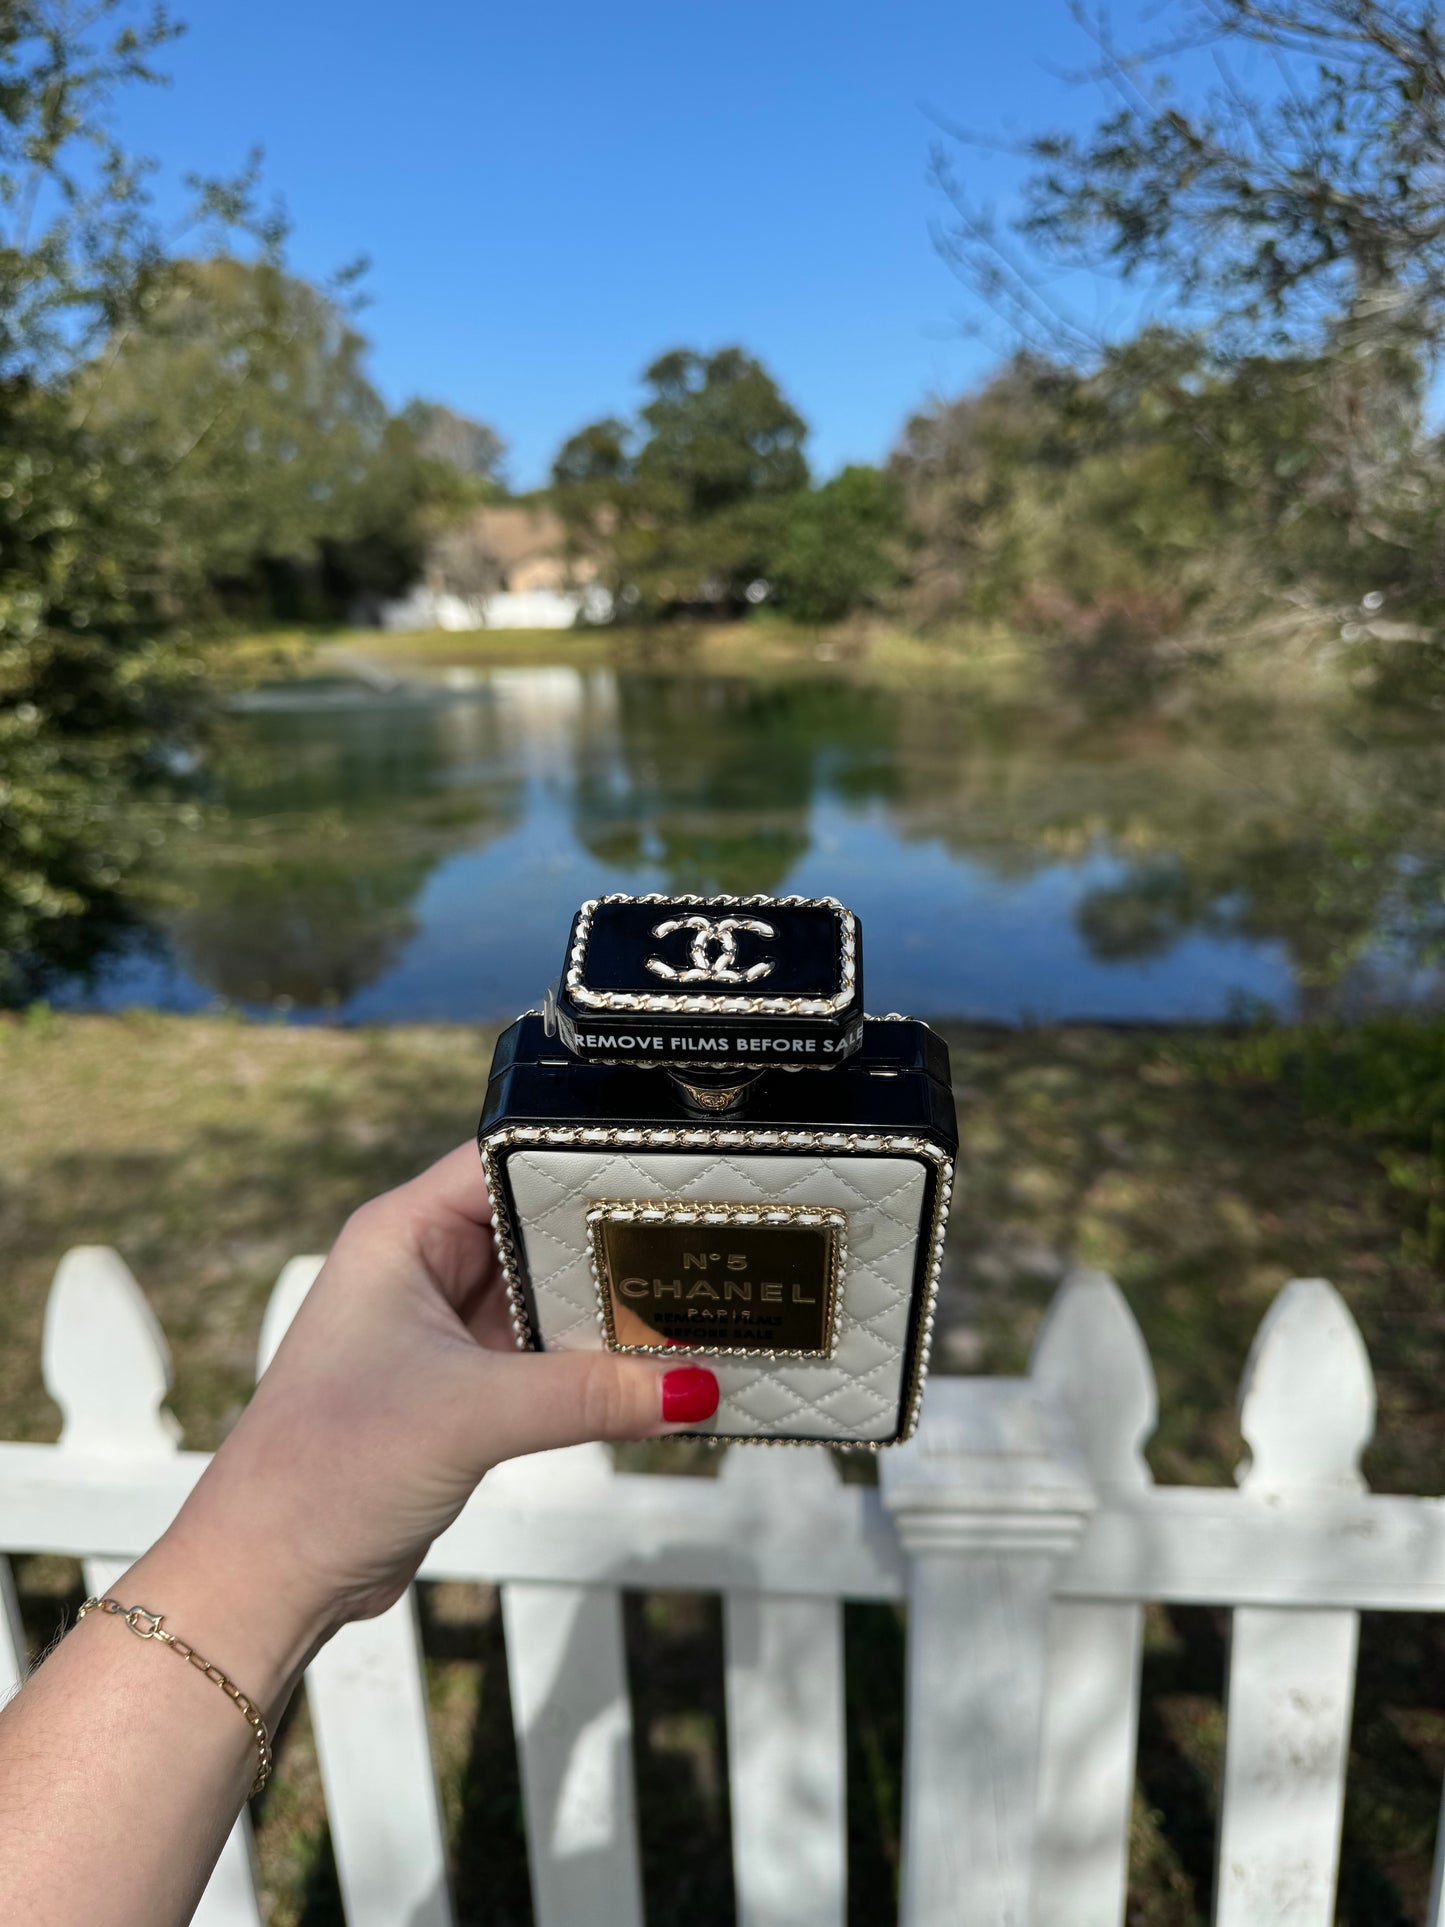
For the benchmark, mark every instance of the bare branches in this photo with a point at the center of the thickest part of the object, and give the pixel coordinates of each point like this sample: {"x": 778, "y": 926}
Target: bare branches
{"x": 1009, "y": 279}
{"x": 1285, "y": 212}
{"x": 81, "y": 252}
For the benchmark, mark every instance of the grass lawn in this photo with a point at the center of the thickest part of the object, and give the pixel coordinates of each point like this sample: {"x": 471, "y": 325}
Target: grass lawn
{"x": 209, "y": 1151}
{"x": 993, "y": 660}
{"x": 1278, "y": 656}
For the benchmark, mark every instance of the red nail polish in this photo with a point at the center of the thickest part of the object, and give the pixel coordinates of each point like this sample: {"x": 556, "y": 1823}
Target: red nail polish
{"x": 689, "y": 1393}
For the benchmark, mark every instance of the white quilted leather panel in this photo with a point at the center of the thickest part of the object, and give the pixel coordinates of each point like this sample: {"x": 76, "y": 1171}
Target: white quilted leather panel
{"x": 855, "y": 1394}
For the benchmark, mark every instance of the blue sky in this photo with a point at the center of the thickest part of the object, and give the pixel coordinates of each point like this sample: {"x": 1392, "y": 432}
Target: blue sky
{"x": 552, "y": 194}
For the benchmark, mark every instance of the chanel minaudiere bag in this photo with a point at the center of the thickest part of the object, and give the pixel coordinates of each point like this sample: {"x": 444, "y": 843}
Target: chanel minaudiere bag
{"x": 701, "y": 1145}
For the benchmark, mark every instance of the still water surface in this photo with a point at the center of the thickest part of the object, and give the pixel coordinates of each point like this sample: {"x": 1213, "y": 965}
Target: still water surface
{"x": 418, "y": 855}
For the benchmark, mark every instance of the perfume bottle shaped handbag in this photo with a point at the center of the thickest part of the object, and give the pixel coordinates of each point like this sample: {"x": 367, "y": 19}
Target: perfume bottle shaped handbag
{"x": 701, "y": 1146}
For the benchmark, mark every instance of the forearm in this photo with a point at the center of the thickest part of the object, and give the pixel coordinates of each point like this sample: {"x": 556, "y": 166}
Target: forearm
{"x": 397, "y": 1387}
{"x": 123, "y": 1767}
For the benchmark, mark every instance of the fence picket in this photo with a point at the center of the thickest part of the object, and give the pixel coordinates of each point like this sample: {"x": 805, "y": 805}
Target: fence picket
{"x": 367, "y": 1696}
{"x": 989, "y": 1498}
{"x": 1091, "y": 1358}
{"x": 105, "y": 1360}
{"x": 14, "y": 1659}
{"x": 1307, "y": 1412}
{"x": 566, "y": 1664}
{"x": 783, "y": 1667}
{"x": 1435, "y": 1907}
{"x": 1021, "y": 1523}
{"x": 107, "y": 1366}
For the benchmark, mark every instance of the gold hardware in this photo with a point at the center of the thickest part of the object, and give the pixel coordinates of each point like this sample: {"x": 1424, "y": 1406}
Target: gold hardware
{"x": 133, "y": 1616}
{"x": 728, "y": 1280}
{"x": 713, "y": 1097}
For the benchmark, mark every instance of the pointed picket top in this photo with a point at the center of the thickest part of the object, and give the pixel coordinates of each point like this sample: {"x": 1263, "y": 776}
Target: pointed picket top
{"x": 104, "y": 1358}
{"x": 1307, "y": 1397}
{"x": 298, "y": 1275}
{"x": 806, "y": 1468}
{"x": 1091, "y": 1357}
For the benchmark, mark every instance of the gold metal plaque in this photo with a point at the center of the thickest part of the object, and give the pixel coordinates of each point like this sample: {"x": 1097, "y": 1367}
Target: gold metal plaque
{"x": 751, "y": 1280}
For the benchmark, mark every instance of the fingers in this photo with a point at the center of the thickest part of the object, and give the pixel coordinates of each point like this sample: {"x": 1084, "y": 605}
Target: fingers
{"x": 441, "y": 1218}
{"x": 534, "y": 1401}
{"x": 453, "y": 1184}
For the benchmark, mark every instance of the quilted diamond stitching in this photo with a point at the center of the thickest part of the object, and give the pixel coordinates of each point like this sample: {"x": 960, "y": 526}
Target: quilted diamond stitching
{"x": 853, "y": 1395}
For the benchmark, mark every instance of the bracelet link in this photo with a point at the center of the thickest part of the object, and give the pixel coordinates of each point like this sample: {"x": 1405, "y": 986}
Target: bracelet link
{"x": 148, "y": 1625}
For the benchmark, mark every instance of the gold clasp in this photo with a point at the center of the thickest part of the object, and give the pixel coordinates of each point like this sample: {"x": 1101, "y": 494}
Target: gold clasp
{"x": 152, "y": 1626}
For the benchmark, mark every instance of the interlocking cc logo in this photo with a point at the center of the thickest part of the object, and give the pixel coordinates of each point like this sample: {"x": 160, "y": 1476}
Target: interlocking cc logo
{"x": 714, "y": 953}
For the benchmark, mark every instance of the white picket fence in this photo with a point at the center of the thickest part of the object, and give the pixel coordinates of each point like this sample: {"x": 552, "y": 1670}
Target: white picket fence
{"x": 1021, "y": 1526}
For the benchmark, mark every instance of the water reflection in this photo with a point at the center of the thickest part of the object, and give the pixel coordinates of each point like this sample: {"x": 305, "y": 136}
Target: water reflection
{"x": 338, "y": 809}
{"x": 418, "y": 855}
{"x": 712, "y": 783}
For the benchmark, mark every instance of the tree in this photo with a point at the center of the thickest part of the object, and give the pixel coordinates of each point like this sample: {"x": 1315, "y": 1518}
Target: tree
{"x": 93, "y": 706}
{"x": 248, "y": 386}
{"x": 83, "y": 259}
{"x": 1299, "y": 217}
{"x": 720, "y": 432}
{"x": 1104, "y": 512}
{"x": 690, "y": 501}
{"x": 843, "y": 547}
{"x": 1295, "y": 223}
{"x": 456, "y": 441}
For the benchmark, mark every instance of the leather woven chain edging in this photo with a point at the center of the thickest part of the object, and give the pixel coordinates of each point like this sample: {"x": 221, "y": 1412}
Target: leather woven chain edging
{"x": 683, "y": 1138}
{"x": 149, "y": 1625}
{"x": 717, "y": 1006}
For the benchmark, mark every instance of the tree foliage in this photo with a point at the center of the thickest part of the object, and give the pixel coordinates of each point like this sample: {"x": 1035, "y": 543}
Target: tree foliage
{"x": 689, "y": 502}
{"x": 1289, "y": 211}
{"x": 1128, "y": 514}
{"x": 83, "y": 257}
{"x": 455, "y": 440}
{"x": 291, "y": 486}
{"x": 1298, "y": 213}
{"x": 88, "y": 699}
{"x": 843, "y": 550}
{"x": 171, "y": 421}
{"x": 94, "y": 698}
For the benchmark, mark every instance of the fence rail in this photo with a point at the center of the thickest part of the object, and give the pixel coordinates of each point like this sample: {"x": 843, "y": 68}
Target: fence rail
{"x": 1021, "y": 1527}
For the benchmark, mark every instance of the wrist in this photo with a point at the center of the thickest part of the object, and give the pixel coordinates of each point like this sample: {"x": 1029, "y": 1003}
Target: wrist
{"x": 221, "y": 1598}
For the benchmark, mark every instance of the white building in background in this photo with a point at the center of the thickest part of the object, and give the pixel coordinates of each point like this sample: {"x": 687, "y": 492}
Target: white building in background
{"x": 506, "y": 567}
{"x": 428, "y": 608}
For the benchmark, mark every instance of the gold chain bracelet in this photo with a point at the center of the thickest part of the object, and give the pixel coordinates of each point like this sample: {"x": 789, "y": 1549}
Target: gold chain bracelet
{"x": 148, "y": 1625}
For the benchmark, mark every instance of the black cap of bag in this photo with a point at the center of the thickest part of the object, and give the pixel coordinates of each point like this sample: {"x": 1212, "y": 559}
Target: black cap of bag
{"x": 716, "y": 983}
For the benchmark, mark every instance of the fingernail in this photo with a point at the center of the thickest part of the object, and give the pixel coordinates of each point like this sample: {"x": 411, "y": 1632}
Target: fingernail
{"x": 689, "y": 1393}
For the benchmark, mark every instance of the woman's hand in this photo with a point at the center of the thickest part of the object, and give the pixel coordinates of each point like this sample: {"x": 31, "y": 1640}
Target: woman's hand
{"x": 396, "y": 1389}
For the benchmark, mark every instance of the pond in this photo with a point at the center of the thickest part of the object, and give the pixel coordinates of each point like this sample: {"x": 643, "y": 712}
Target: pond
{"x": 417, "y": 854}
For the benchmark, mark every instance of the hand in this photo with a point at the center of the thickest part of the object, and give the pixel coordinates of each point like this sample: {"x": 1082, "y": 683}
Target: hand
{"x": 398, "y": 1386}
{"x": 395, "y": 1390}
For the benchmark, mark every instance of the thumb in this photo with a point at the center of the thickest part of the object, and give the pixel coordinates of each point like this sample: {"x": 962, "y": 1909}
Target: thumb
{"x": 534, "y": 1401}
